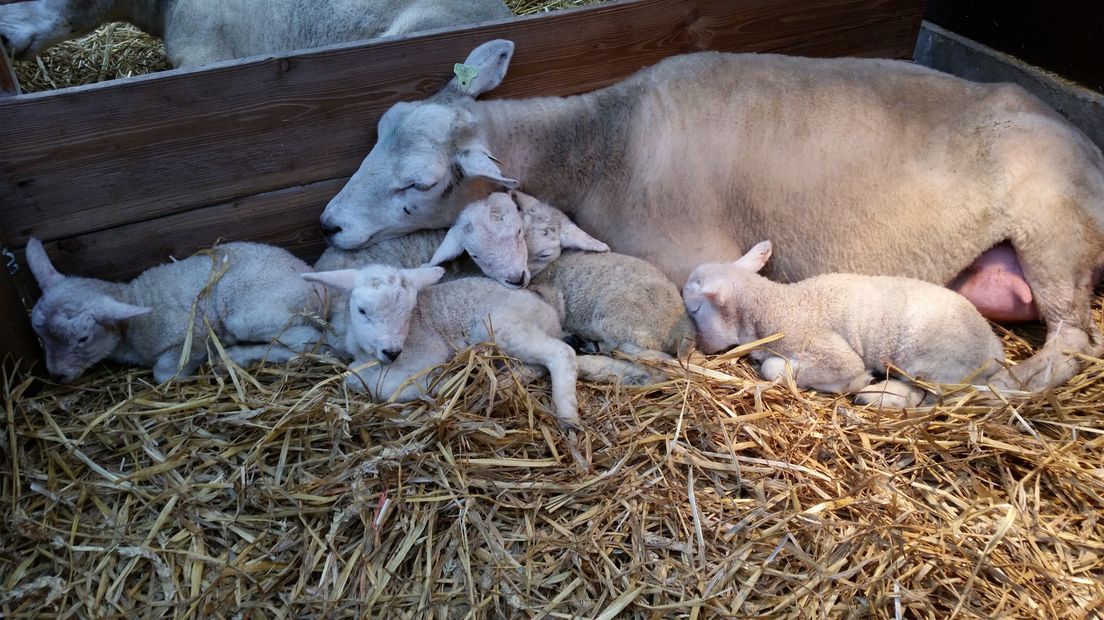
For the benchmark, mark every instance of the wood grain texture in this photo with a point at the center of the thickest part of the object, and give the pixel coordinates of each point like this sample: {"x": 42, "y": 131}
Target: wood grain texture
{"x": 119, "y": 176}
{"x": 96, "y": 157}
{"x": 9, "y": 84}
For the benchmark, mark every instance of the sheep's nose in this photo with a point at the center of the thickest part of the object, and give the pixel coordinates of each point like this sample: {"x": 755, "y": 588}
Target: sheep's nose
{"x": 392, "y": 354}
{"x": 518, "y": 280}
{"x": 330, "y": 230}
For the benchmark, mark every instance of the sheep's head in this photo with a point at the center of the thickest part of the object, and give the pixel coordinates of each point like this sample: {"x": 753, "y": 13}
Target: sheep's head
{"x": 78, "y": 324}
{"x": 428, "y": 161}
{"x": 381, "y": 301}
{"x": 490, "y": 231}
{"x": 548, "y": 231}
{"x": 29, "y": 27}
{"x": 712, "y": 297}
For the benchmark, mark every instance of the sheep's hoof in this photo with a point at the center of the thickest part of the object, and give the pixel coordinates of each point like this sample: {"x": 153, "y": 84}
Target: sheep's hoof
{"x": 889, "y": 394}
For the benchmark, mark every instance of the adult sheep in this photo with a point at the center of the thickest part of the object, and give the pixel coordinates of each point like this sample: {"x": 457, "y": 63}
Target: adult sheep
{"x": 197, "y": 32}
{"x": 854, "y": 165}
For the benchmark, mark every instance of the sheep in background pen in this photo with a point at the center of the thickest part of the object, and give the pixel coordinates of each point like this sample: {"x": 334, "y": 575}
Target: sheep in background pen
{"x": 250, "y": 295}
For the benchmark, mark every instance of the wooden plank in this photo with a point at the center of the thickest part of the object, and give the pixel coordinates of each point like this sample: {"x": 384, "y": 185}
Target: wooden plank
{"x": 9, "y": 85}
{"x": 18, "y": 340}
{"x": 92, "y": 158}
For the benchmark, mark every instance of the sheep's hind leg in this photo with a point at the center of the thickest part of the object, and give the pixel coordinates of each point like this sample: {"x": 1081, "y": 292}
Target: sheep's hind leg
{"x": 602, "y": 369}
{"x": 890, "y": 394}
{"x": 837, "y": 372}
{"x": 533, "y": 346}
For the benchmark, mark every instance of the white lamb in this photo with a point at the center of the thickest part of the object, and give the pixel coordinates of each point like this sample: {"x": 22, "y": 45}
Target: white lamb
{"x": 489, "y": 230}
{"x": 838, "y": 328}
{"x": 408, "y": 326}
{"x": 620, "y": 302}
{"x": 251, "y": 296}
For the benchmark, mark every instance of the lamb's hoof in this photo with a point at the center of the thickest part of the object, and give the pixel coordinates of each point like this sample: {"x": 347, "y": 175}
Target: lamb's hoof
{"x": 581, "y": 346}
{"x": 889, "y": 394}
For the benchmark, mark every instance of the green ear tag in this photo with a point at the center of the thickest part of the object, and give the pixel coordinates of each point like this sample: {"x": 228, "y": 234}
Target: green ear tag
{"x": 464, "y": 74}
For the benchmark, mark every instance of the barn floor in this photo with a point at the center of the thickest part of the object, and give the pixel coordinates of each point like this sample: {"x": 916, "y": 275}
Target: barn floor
{"x": 277, "y": 494}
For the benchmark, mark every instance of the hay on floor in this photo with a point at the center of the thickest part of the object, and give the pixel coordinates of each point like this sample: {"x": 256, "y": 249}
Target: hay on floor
{"x": 278, "y": 494}
{"x": 120, "y": 50}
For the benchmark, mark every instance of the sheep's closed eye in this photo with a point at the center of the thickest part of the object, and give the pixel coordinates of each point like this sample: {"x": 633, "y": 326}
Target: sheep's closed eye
{"x": 700, "y": 306}
{"x": 408, "y": 210}
{"x": 362, "y": 311}
{"x": 82, "y": 340}
{"x": 420, "y": 187}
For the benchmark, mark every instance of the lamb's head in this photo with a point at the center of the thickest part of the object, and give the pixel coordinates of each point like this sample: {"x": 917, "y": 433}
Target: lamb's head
{"x": 490, "y": 231}
{"x": 27, "y": 28}
{"x": 381, "y": 301}
{"x": 713, "y": 298}
{"x": 548, "y": 231}
{"x": 78, "y": 323}
{"x": 430, "y": 159}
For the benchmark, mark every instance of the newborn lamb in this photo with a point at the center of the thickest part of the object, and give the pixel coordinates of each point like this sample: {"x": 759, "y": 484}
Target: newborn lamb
{"x": 408, "y": 326}
{"x": 489, "y": 230}
{"x": 621, "y": 302}
{"x": 839, "y": 328}
{"x": 259, "y": 298}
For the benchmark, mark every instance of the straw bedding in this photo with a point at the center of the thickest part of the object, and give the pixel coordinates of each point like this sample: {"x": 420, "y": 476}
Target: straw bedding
{"x": 276, "y": 493}
{"x": 120, "y": 50}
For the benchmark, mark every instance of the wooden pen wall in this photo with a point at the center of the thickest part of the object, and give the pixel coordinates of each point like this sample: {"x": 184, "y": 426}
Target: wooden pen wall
{"x": 116, "y": 177}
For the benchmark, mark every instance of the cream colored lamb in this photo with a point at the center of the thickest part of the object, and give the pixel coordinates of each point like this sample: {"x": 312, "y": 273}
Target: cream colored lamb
{"x": 259, "y": 308}
{"x": 408, "y": 326}
{"x": 840, "y": 328}
{"x": 620, "y": 302}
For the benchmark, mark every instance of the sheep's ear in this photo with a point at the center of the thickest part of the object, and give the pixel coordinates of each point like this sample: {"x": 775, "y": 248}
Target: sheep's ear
{"x": 477, "y": 162}
{"x": 344, "y": 279}
{"x": 715, "y": 293}
{"x": 41, "y": 267}
{"x": 756, "y": 257}
{"x": 451, "y": 247}
{"x": 109, "y": 311}
{"x": 483, "y": 70}
{"x": 423, "y": 276}
{"x": 575, "y": 238}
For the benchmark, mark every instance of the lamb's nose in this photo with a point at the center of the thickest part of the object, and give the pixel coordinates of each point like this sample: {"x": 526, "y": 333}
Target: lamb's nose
{"x": 518, "y": 281}
{"x": 392, "y": 354}
{"x": 329, "y": 230}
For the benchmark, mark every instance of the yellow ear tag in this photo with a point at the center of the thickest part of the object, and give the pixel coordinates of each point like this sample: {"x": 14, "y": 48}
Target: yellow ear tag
{"x": 464, "y": 74}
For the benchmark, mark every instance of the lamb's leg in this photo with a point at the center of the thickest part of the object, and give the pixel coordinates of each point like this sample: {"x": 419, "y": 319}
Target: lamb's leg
{"x": 890, "y": 394}
{"x": 838, "y": 371}
{"x": 602, "y": 369}
{"x": 401, "y": 381}
{"x": 533, "y": 346}
{"x": 165, "y": 366}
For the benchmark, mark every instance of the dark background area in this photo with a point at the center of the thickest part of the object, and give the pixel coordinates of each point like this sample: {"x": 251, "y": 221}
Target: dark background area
{"x": 1063, "y": 36}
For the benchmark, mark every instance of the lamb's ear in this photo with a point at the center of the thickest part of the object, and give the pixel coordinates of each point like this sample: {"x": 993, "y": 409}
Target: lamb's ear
{"x": 483, "y": 70}
{"x": 344, "y": 279}
{"x": 41, "y": 267}
{"x": 109, "y": 311}
{"x": 756, "y": 257}
{"x": 715, "y": 293}
{"x": 451, "y": 247}
{"x": 423, "y": 276}
{"x": 476, "y": 162}
{"x": 574, "y": 238}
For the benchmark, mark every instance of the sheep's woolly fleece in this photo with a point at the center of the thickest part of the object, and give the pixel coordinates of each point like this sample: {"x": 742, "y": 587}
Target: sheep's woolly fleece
{"x": 274, "y": 493}
{"x": 120, "y": 50}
